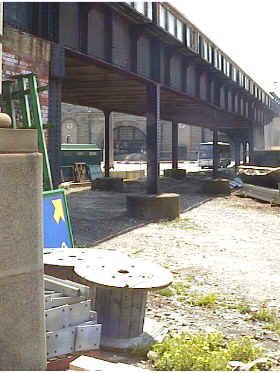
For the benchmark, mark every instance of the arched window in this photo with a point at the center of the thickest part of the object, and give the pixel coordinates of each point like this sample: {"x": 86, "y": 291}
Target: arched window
{"x": 128, "y": 139}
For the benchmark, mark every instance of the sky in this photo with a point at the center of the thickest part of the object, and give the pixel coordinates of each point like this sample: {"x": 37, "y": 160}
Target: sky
{"x": 246, "y": 30}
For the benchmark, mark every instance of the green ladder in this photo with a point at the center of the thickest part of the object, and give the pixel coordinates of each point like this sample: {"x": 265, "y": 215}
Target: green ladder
{"x": 21, "y": 101}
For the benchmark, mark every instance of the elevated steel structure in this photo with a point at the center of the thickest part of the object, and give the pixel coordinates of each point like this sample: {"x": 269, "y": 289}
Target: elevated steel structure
{"x": 144, "y": 59}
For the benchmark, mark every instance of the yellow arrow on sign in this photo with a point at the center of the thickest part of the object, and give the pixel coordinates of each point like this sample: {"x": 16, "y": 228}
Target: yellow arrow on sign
{"x": 58, "y": 210}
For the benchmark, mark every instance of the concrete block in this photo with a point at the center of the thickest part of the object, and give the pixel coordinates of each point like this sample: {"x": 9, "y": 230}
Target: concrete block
{"x": 178, "y": 173}
{"x": 18, "y": 140}
{"x": 165, "y": 205}
{"x": 21, "y": 214}
{"x": 216, "y": 186}
{"x": 22, "y": 324}
{"x": 108, "y": 184}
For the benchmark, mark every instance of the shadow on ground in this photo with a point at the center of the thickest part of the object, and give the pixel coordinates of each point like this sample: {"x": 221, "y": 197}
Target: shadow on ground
{"x": 98, "y": 216}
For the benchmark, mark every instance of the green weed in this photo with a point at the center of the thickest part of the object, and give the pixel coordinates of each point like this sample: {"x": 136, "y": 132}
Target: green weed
{"x": 208, "y": 300}
{"x": 166, "y": 292}
{"x": 202, "y": 352}
{"x": 263, "y": 314}
{"x": 181, "y": 288}
{"x": 179, "y": 223}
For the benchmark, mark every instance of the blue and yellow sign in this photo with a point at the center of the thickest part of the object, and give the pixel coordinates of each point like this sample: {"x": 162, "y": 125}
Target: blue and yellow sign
{"x": 56, "y": 221}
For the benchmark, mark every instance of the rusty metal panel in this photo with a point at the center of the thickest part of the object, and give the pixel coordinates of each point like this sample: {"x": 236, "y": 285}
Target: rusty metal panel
{"x": 176, "y": 72}
{"x": 162, "y": 64}
{"x": 69, "y": 24}
{"x": 96, "y": 33}
{"x": 121, "y": 42}
{"x": 144, "y": 56}
{"x": 191, "y": 80}
{"x": 203, "y": 86}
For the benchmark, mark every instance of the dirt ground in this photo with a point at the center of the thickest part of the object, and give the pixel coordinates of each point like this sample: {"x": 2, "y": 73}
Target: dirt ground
{"x": 225, "y": 245}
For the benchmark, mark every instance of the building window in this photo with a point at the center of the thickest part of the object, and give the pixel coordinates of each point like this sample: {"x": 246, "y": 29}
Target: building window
{"x": 215, "y": 58}
{"x": 162, "y": 17}
{"x": 234, "y": 74}
{"x": 171, "y": 24}
{"x": 140, "y": 6}
{"x": 179, "y": 30}
{"x": 150, "y": 11}
{"x": 205, "y": 50}
{"x": 210, "y": 52}
{"x": 188, "y": 37}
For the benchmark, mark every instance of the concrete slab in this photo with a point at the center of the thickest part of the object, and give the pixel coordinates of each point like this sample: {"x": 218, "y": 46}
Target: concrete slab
{"x": 26, "y": 140}
{"x": 161, "y": 206}
{"x": 22, "y": 324}
{"x": 20, "y": 211}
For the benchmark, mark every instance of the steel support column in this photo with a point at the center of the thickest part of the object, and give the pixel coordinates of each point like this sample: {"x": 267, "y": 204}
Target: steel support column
{"x": 237, "y": 153}
{"x": 108, "y": 142}
{"x": 153, "y": 138}
{"x": 251, "y": 144}
{"x": 244, "y": 143}
{"x": 54, "y": 110}
{"x": 215, "y": 153}
{"x": 174, "y": 145}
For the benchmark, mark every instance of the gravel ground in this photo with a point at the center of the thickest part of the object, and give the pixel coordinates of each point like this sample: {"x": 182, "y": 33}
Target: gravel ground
{"x": 223, "y": 245}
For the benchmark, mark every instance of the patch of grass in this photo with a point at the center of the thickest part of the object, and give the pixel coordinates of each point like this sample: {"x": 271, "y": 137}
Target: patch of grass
{"x": 179, "y": 223}
{"x": 181, "y": 288}
{"x": 263, "y": 314}
{"x": 166, "y": 292}
{"x": 202, "y": 352}
{"x": 138, "y": 251}
{"x": 243, "y": 306}
{"x": 208, "y": 300}
{"x": 274, "y": 326}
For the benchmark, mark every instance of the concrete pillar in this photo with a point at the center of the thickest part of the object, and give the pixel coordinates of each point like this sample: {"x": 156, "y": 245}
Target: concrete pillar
{"x": 108, "y": 143}
{"x": 174, "y": 145}
{"x": 153, "y": 138}
{"x": 215, "y": 153}
{"x": 22, "y": 321}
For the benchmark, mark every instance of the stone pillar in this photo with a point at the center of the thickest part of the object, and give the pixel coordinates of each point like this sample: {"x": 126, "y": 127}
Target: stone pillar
{"x": 108, "y": 143}
{"x": 54, "y": 113}
{"x": 153, "y": 138}
{"x": 22, "y": 321}
{"x": 215, "y": 153}
{"x": 174, "y": 145}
